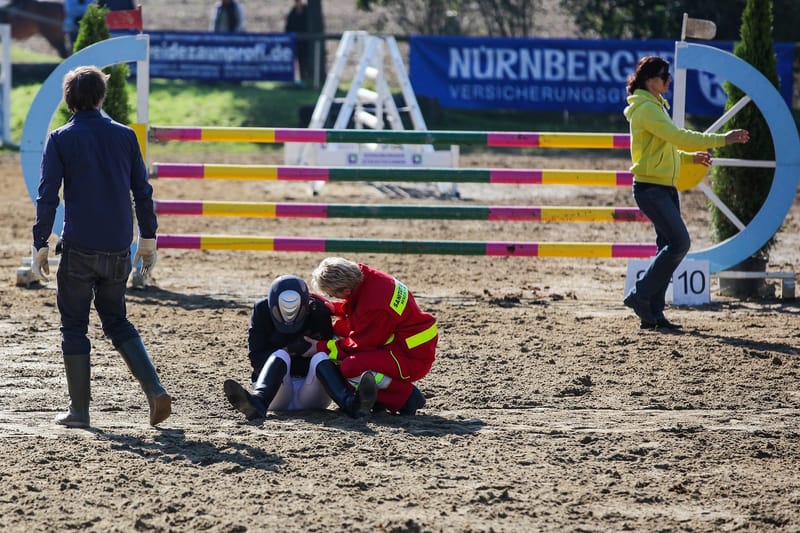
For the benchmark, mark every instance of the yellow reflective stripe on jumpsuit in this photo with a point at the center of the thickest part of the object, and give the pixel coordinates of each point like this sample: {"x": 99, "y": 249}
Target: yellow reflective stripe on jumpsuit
{"x": 422, "y": 337}
{"x": 333, "y": 351}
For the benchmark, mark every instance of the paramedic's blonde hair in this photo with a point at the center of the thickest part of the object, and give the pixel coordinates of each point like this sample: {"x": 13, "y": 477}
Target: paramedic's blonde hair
{"x": 334, "y": 274}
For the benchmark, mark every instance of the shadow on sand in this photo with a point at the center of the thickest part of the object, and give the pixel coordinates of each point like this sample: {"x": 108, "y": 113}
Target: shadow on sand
{"x": 171, "y": 445}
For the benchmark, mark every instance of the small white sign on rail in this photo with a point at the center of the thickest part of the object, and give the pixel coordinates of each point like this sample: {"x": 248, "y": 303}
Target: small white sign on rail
{"x": 690, "y": 283}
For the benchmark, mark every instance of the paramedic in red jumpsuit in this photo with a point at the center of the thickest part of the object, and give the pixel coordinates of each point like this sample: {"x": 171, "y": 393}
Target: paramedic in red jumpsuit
{"x": 380, "y": 328}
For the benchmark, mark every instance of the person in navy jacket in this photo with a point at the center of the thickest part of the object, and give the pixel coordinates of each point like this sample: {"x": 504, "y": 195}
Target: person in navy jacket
{"x": 99, "y": 164}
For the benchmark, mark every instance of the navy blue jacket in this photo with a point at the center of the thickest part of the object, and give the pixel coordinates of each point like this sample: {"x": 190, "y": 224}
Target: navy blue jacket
{"x": 100, "y": 164}
{"x": 264, "y": 339}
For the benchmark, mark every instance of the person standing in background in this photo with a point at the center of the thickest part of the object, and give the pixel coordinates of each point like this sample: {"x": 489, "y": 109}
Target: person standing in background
{"x": 659, "y": 149}
{"x": 297, "y": 23}
{"x": 117, "y": 5}
{"x": 227, "y": 16}
{"x": 73, "y": 12}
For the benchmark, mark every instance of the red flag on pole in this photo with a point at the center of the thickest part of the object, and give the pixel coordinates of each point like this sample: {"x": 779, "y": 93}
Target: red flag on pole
{"x": 130, "y": 19}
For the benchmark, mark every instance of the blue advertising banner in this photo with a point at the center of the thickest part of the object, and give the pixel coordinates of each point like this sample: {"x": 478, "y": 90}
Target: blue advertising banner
{"x": 221, "y": 56}
{"x": 555, "y": 74}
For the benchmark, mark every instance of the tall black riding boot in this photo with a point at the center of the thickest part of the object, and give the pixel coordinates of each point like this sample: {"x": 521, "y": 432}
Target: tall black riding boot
{"x": 354, "y": 404}
{"x": 141, "y": 366}
{"x": 78, "y": 369}
{"x": 254, "y": 405}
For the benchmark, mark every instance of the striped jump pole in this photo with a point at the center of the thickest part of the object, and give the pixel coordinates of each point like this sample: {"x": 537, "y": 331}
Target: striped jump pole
{"x": 391, "y": 246}
{"x": 588, "y": 178}
{"x": 490, "y": 139}
{"x": 386, "y": 211}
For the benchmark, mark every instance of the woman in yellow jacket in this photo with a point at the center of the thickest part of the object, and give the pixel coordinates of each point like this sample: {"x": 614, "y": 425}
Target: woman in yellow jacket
{"x": 658, "y": 149}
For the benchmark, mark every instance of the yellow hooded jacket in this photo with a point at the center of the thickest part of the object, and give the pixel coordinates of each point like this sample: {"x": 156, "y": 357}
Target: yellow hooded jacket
{"x": 657, "y": 145}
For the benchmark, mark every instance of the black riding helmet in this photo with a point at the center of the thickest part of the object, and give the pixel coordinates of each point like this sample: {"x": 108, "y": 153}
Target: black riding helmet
{"x": 289, "y": 302}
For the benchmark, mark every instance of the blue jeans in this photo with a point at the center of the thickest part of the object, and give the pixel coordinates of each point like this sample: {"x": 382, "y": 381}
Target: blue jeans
{"x": 662, "y": 206}
{"x": 84, "y": 275}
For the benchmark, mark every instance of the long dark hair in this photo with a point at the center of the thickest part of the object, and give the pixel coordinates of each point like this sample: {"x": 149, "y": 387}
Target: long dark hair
{"x": 647, "y": 67}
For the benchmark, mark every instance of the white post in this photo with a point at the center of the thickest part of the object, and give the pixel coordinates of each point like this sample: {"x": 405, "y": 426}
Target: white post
{"x": 143, "y": 89}
{"x": 694, "y": 29}
{"x": 679, "y": 89}
{"x": 5, "y": 84}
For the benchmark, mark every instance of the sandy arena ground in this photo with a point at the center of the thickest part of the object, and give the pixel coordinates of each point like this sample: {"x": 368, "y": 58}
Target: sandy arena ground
{"x": 548, "y": 409}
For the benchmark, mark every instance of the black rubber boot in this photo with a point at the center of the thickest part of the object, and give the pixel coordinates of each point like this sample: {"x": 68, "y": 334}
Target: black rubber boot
{"x": 414, "y": 402}
{"x": 254, "y": 405}
{"x": 78, "y": 369}
{"x": 141, "y": 366}
{"x": 354, "y": 404}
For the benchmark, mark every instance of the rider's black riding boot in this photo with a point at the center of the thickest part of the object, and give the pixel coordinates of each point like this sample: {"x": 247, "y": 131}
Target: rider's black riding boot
{"x": 354, "y": 404}
{"x": 254, "y": 405}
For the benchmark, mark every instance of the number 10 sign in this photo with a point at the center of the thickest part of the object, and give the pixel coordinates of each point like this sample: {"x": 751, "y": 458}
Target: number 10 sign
{"x": 689, "y": 285}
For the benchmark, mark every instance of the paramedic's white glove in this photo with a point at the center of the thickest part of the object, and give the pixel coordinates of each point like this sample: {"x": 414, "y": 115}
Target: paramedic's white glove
{"x": 146, "y": 251}
{"x": 39, "y": 265}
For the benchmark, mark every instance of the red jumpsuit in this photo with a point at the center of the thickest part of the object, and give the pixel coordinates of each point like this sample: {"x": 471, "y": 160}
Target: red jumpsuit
{"x": 383, "y": 329}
